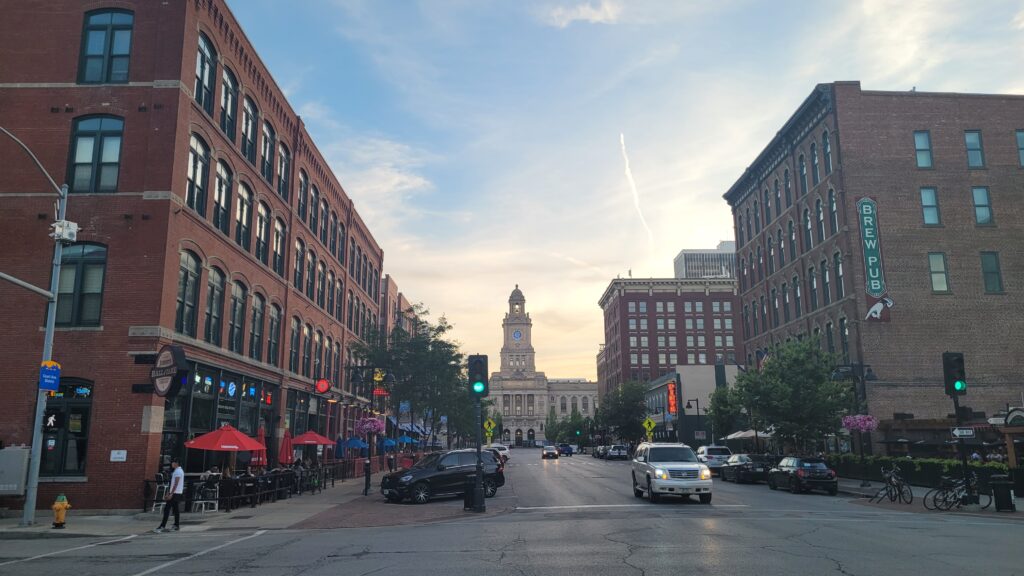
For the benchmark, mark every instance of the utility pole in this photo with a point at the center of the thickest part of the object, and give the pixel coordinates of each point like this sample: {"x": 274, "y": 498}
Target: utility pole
{"x": 478, "y": 485}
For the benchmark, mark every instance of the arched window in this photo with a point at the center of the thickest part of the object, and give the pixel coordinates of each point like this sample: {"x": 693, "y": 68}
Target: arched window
{"x": 310, "y": 274}
{"x": 106, "y": 47}
{"x": 785, "y": 303}
{"x": 206, "y": 69}
{"x": 764, "y": 313}
{"x": 788, "y": 188}
{"x": 314, "y": 214}
{"x": 259, "y": 305}
{"x": 808, "y": 230}
{"x": 753, "y": 309}
{"x": 300, "y": 262}
{"x": 324, "y": 221}
{"x": 826, "y": 290}
{"x": 188, "y": 295}
{"x": 328, "y": 347}
{"x": 198, "y": 175}
{"x": 750, "y": 235}
{"x": 803, "y": 175}
{"x": 833, "y": 212}
{"x": 284, "y": 166}
{"x": 820, "y": 218}
{"x": 267, "y": 152}
{"x": 236, "y": 323}
{"x": 329, "y": 288}
{"x": 273, "y": 334}
{"x": 797, "y": 305}
{"x": 792, "y": 241}
{"x": 778, "y": 199}
{"x": 318, "y": 354}
{"x": 767, "y": 207}
{"x": 96, "y": 154}
{"x": 278, "y": 247}
{"x": 760, "y": 265}
{"x": 333, "y": 246}
{"x": 243, "y": 217}
{"x": 826, "y": 150}
{"x": 339, "y": 303}
{"x": 80, "y": 289}
{"x": 574, "y": 405}
{"x": 222, "y": 199}
{"x": 812, "y": 288}
{"x": 815, "y": 175}
{"x": 837, "y": 265}
{"x": 228, "y": 103}
{"x": 352, "y": 258}
{"x": 349, "y": 322}
{"x": 757, "y": 217}
{"x": 321, "y": 284}
{"x": 250, "y": 120}
{"x": 562, "y": 404}
{"x": 337, "y": 364}
{"x": 775, "y": 308}
{"x": 295, "y": 343}
{"x": 771, "y": 255}
{"x": 782, "y": 248}
{"x": 584, "y": 402}
{"x": 303, "y": 199}
{"x": 214, "y": 307}
{"x": 746, "y": 321}
{"x": 341, "y": 244}
{"x": 307, "y": 350}
{"x": 739, "y": 230}
{"x": 743, "y": 274}
{"x": 263, "y": 232}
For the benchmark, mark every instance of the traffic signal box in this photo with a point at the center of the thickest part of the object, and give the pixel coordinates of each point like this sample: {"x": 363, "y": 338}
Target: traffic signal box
{"x": 953, "y": 373}
{"x": 478, "y": 385}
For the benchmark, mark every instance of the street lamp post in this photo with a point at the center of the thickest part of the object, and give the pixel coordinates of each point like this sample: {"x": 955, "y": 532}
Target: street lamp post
{"x": 860, "y": 374}
{"x": 382, "y": 380}
{"x": 688, "y": 406}
{"x": 64, "y": 232}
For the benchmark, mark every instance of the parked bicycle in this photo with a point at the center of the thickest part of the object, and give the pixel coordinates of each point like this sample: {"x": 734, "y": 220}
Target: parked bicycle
{"x": 893, "y": 487}
{"x": 952, "y": 491}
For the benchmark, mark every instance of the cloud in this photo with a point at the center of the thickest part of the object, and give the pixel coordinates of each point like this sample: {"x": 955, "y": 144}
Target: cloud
{"x": 632, "y": 187}
{"x": 603, "y": 12}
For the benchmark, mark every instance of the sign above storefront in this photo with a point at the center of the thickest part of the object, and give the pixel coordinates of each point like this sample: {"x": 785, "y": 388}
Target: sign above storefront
{"x": 322, "y": 386}
{"x": 673, "y": 403}
{"x": 170, "y": 372}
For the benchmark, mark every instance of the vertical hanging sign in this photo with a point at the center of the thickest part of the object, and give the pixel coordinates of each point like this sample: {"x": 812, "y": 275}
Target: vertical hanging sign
{"x": 878, "y": 301}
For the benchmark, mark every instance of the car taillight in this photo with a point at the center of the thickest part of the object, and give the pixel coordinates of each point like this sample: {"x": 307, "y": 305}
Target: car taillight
{"x": 831, "y": 473}
{"x": 800, "y": 473}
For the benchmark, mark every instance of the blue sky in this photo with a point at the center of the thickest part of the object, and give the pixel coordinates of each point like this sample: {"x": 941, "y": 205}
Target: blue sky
{"x": 485, "y": 143}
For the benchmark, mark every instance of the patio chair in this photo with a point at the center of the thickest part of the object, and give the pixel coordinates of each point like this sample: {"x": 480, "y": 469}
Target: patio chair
{"x": 206, "y": 497}
{"x": 161, "y": 491}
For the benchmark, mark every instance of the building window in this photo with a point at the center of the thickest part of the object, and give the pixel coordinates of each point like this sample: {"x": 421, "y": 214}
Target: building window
{"x": 256, "y": 330}
{"x": 643, "y": 307}
{"x": 757, "y": 217}
{"x": 808, "y": 235}
{"x": 307, "y": 350}
{"x": 797, "y": 305}
{"x": 313, "y": 212}
{"x": 982, "y": 205}
{"x": 826, "y": 150}
{"x": 815, "y": 176}
{"x": 767, "y": 207}
{"x": 760, "y": 264}
{"x": 631, "y": 307}
{"x": 746, "y": 320}
{"x": 991, "y": 273}
{"x": 771, "y": 255}
{"x": 820, "y": 214}
{"x": 106, "y": 47}
{"x": 321, "y": 284}
{"x": 787, "y": 187}
{"x": 243, "y": 217}
{"x": 96, "y": 155}
{"x": 930, "y": 207}
{"x": 80, "y": 288}
{"x": 318, "y": 354}
{"x": 330, "y": 291}
{"x": 939, "y": 274}
{"x": 198, "y": 175}
{"x": 837, "y": 265}
{"x": 339, "y": 305}
{"x": 300, "y": 262}
{"x": 294, "y": 342}
{"x": 778, "y": 199}
{"x": 206, "y": 68}
{"x": 792, "y": 241}
{"x": 844, "y": 339}
{"x": 833, "y": 212}
{"x": 923, "y": 148}
{"x": 214, "y": 306}
{"x": 1020, "y": 147}
{"x": 310, "y": 274}
{"x": 66, "y": 429}
{"x": 830, "y": 338}
{"x": 324, "y": 221}
{"x": 222, "y": 199}
{"x": 341, "y": 243}
{"x": 236, "y": 322}
{"x": 303, "y": 198}
{"x": 785, "y": 303}
{"x": 284, "y": 163}
{"x": 278, "y": 246}
{"x": 188, "y": 295}
{"x": 250, "y": 119}
{"x": 228, "y": 103}
{"x": 273, "y": 334}
{"x": 739, "y": 230}
{"x": 267, "y": 152}
{"x": 826, "y": 290}
{"x": 262, "y": 232}
{"x": 803, "y": 175}
{"x": 975, "y": 154}
{"x": 775, "y": 309}
{"x": 812, "y": 288}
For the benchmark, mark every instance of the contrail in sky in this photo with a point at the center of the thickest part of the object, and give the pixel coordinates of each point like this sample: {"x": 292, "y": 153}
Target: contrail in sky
{"x": 632, "y": 186}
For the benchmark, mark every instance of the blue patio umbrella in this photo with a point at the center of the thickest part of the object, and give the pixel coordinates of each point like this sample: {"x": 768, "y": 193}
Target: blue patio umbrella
{"x": 355, "y": 443}
{"x": 405, "y": 439}
{"x": 389, "y": 442}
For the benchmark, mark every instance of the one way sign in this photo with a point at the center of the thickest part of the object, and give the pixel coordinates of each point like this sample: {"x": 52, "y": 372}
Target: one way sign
{"x": 963, "y": 432}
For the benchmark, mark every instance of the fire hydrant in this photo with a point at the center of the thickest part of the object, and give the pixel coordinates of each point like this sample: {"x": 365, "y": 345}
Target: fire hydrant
{"x": 60, "y": 509}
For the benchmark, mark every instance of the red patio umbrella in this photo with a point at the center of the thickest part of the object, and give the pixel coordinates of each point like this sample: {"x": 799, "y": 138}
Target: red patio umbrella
{"x": 225, "y": 439}
{"x": 312, "y": 438}
{"x": 286, "y": 456}
{"x": 259, "y": 457}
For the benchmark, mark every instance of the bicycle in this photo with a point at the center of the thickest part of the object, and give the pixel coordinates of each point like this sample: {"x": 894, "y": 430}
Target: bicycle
{"x": 952, "y": 492}
{"x": 894, "y": 487}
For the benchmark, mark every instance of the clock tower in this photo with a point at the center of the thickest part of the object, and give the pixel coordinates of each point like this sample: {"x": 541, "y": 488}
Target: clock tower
{"x": 517, "y": 353}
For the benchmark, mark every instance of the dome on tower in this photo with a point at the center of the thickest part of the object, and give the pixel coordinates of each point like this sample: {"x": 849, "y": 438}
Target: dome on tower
{"x": 517, "y": 295}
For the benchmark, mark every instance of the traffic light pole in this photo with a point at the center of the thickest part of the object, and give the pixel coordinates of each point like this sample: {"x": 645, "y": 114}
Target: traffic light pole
{"x": 970, "y": 497}
{"x": 478, "y": 485}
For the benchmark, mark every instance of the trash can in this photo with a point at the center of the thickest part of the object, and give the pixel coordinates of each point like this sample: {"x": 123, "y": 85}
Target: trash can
{"x": 1002, "y": 493}
{"x": 468, "y": 487}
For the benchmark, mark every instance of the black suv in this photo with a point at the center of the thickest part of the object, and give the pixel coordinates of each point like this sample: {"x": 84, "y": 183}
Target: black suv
{"x": 803, "y": 474}
{"x": 442, "y": 473}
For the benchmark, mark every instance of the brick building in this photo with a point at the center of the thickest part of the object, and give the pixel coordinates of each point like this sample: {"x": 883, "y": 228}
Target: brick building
{"x": 889, "y": 223}
{"x": 209, "y": 220}
{"x": 652, "y": 325}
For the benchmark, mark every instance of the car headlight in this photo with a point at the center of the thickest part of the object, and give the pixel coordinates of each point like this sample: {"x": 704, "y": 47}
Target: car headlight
{"x": 660, "y": 474}
{"x": 405, "y": 478}
{"x": 705, "y": 473}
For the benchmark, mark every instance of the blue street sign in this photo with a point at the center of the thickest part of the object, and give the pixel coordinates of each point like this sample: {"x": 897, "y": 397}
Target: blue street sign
{"x": 49, "y": 375}
{"x": 403, "y": 407}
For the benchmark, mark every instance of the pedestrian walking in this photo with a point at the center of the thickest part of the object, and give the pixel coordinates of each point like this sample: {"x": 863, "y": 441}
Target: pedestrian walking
{"x": 173, "y": 496}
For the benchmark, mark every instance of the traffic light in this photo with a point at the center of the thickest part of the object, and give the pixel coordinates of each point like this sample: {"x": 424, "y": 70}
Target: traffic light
{"x": 953, "y": 373}
{"x": 577, "y": 432}
{"x": 478, "y": 375}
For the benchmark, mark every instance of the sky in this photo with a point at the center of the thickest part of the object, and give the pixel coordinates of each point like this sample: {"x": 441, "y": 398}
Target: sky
{"x": 558, "y": 145}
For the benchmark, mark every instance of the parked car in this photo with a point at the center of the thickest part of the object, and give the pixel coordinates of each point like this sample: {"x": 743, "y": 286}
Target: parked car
{"x": 548, "y": 452}
{"x": 442, "y": 473}
{"x": 617, "y": 451}
{"x": 741, "y": 468}
{"x": 663, "y": 468}
{"x": 598, "y": 451}
{"x": 503, "y": 450}
{"x": 497, "y": 455}
{"x": 802, "y": 475}
{"x": 564, "y": 450}
{"x": 714, "y": 456}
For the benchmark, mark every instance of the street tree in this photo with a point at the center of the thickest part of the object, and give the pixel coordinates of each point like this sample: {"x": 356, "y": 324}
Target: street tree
{"x": 725, "y": 411}
{"x": 623, "y": 410}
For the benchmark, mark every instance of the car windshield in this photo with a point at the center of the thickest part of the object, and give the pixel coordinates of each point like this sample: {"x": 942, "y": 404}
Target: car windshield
{"x": 427, "y": 462}
{"x": 718, "y": 452}
{"x": 671, "y": 454}
{"x": 813, "y": 464}
{"x": 618, "y": 447}
{"x": 549, "y": 447}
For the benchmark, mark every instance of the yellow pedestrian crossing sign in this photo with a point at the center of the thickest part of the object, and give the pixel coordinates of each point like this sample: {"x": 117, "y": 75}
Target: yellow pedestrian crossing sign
{"x": 649, "y": 424}
{"x": 489, "y": 425}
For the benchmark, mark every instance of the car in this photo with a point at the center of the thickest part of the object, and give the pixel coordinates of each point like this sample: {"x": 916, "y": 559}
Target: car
{"x": 548, "y": 452}
{"x": 802, "y": 475}
{"x": 497, "y": 455}
{"x": 442, "y": 473}
{"x": 616, "y": 451}
{"x": 741, "y": 468}
{"x": 714, "y": 456}
{"x": 598, "y": 451}
{"x": 503, "y": 450}
{"x": 564, "y": 450}
{"x": 667, "y": 468}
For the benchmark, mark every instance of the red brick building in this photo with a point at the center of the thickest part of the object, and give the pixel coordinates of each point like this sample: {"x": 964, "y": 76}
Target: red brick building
{"x": 653, "y": 325}
{"x": 889, "y": 223}
{"x": 208, "y": 220}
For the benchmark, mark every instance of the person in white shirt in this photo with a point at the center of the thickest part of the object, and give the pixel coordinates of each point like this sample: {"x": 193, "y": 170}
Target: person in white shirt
{"x": 173, "y": 496}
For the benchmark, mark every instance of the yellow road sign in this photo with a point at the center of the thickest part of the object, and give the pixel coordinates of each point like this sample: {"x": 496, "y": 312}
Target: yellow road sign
{"x": 649, "y": 424}
{"x": 489, "y": 425}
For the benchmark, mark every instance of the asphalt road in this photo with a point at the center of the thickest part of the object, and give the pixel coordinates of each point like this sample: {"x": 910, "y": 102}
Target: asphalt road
{"x": 573, "y": 516}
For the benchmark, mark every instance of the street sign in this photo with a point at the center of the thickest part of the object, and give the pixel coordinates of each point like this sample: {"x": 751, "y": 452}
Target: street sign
{"x": 489, "y": 425}
{"x": 649, "y": 425}
{"x": 699, "y": 435}
{"x": 49, "y": 375}
{"x": 962, "y": 432}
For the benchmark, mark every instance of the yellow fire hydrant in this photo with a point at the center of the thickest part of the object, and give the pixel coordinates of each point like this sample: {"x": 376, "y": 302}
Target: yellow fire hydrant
{"x": 60, "y": 509}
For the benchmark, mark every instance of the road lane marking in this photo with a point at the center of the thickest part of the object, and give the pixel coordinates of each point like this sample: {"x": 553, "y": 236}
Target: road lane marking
{"x": 200, "y": 553}
{"x": 67, "y": 550}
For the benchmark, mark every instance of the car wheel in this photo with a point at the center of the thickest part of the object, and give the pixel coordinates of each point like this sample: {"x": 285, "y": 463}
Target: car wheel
{"x": 771, "y": 483}
{"x": 794, "y": 485}
{"x": 420, "y": 493}
{"x": 637, "y": 492}
{"x": 650, "y": 493}
{"x": 490, "y": 488}
{"x": 705, "y": 498}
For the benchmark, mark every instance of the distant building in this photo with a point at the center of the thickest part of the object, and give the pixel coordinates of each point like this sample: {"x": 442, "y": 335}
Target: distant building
{"x": 682, "y": 422}
{"x": 698, "y": 264}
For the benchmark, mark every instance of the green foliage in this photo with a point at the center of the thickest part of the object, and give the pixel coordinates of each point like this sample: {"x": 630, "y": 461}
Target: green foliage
{"x": 725, "y": 411}
{"x": 794, "y": 392}
{"x": 623, "y": 411}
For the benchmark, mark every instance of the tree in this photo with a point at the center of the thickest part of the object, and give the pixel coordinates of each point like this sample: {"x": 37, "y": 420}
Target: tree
{"x": 724, "y": 411}
{"x": 794, "y": 392}
{"x": 623, "y": 410}
{"x": 552, "y": 426}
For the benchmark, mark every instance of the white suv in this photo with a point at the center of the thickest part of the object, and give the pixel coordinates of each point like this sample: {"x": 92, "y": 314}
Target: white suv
{"x": 502, "y": 449}
{"x": 714, "y": 456}
{"x": 669, "y": 469}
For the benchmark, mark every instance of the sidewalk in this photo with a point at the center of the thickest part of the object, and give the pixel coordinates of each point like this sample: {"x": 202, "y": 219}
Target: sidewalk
{"x": 852, "y": 487}
{"x": 271, "y": 516}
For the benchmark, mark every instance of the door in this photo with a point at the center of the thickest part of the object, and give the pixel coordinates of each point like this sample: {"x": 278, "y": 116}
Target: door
{"x": 519, "y": 438}
{"x": 450, "y": 479}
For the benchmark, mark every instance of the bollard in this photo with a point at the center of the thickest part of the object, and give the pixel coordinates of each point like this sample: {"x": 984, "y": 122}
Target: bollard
{"x": 366, "y": 474}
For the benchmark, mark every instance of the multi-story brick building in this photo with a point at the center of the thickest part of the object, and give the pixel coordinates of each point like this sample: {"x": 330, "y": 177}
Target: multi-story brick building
{"x": 652, "y": 325}
{"x": 209, "y": 221}
{"x": 889, "y": 223}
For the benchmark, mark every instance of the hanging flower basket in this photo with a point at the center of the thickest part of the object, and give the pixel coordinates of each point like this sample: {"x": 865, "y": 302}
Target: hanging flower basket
{"x": 860, "y": 423}
{"x": 367, "y": 426}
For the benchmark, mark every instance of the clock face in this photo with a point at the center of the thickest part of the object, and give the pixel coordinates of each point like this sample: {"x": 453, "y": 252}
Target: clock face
{"x": 517, "y": 335}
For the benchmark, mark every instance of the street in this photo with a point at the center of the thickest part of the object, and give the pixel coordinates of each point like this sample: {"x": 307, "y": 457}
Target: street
{"x": 575, "y": 515}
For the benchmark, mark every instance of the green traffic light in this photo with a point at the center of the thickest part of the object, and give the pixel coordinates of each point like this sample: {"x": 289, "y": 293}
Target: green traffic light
{"x": 478, "y": 387}
{"x": 960, "y": 385}
{"x": 577, "y": 432}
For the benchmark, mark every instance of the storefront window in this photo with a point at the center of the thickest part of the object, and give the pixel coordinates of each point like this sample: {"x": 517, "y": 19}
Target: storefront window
{"x": 201, "y": 418}
{"x": 66, "y": 429}
{"x": 249, "y": 409}
{"x": 228, "y": 391}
